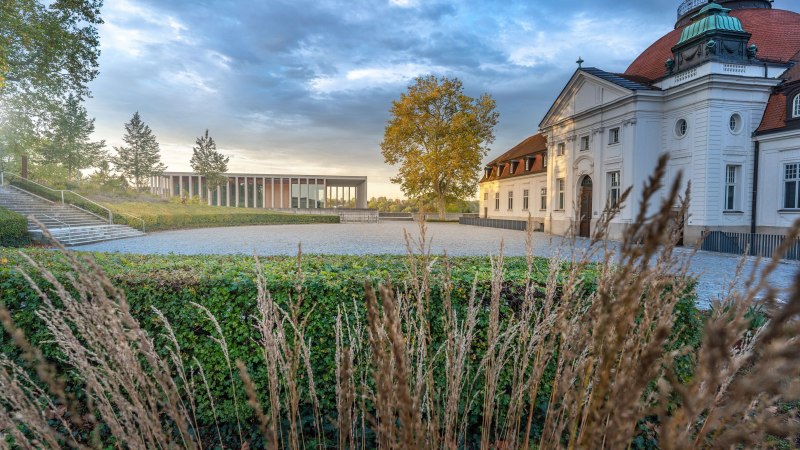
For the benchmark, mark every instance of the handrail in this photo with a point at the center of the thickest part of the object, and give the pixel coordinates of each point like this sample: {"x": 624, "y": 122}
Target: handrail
{"x": 110, "y": 219}
{"x": 69, "y": 227}
{"x": 689, "y": 5}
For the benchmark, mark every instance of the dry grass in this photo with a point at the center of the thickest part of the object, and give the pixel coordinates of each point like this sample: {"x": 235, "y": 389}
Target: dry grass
{"x": 605, "y": 350}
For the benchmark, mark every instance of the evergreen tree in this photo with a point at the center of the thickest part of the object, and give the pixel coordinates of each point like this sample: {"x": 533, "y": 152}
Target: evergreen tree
{"x": 141, "y": 158}
{"x": 69, "y": 145}
{"x": 208, "y": 162}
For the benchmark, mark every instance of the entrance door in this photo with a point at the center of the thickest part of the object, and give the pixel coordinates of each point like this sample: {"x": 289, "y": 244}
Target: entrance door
{"x": 584, "y": 229}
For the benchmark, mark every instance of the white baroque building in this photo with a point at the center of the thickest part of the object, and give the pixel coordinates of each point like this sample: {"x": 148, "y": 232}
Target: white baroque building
{"x": 720, "y": 94}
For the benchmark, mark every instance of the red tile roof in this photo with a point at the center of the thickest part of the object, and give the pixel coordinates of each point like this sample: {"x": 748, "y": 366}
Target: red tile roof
{"x": 775, "y": 114}
{"x": 776, "y": 32}
{"x": 793, "y": 74}
{"x": 530, "y": 146}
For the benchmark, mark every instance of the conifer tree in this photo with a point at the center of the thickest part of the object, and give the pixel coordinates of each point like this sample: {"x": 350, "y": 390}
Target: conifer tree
{"x": 69, "y": 145}
{"x": 141, "y": 158}
{"x": 208, "y": 162}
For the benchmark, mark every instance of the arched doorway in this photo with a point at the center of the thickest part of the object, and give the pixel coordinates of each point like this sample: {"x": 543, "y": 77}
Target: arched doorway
{"x": 585, "y": 210}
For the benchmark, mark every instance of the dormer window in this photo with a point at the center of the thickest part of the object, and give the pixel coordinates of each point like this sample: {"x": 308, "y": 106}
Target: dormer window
{"x": 544, "y": 160}
{"x": 796, "y": 107}
{"x": 487, "y": 171}
{"x": 500, "y": 168}
{"x": 514, "y": 165}
{"x": 529, "y": 163}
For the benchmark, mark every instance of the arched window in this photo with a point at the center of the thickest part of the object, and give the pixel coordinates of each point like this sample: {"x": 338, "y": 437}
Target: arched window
{"x": 796, "y": 106}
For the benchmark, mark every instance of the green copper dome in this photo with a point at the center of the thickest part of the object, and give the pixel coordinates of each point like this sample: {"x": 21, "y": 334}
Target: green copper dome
{"x": 711, "y": 18}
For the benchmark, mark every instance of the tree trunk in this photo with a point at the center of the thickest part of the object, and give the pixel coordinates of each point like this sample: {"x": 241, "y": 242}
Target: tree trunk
{"x": 441, "y": 205}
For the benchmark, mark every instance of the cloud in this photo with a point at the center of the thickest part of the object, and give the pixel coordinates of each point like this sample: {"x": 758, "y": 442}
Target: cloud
{"x": 309, "y": 83}
{"x": 367, "y": 78}
{"x": 404, "y": 3}
{"x": 597, "y": 39}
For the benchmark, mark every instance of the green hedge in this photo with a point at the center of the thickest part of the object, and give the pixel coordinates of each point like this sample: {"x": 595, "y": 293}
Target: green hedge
{"x": 226, "y": 286}
{"x": 13, "y": 229}
{"x": 222, "y": 219}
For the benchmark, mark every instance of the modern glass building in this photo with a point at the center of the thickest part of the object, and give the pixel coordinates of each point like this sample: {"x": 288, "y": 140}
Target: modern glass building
{"x": 266, "y": 191}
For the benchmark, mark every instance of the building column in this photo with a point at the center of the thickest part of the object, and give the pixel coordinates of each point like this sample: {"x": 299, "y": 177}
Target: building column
{"x": 272, "y": 193}
{"x": 191, "y": 192}
{"x": 219, "y": 195}
{"x": 236, "y": 183}
{"x": 246, "y": 193}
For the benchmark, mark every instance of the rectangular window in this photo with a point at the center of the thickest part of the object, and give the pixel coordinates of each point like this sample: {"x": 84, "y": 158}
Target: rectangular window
{"x": 485, "y": 196}
{"x": 732, "y": 188}
{"x": 525, "y": 199}
{"x": 613, "y": 136}
{"x": 528, "y": 163}
{"x": 544, "y": 160}
{"x": 561, "y": 185}
{"x": 543, "y": 199}
{"x": 497, "y": 201}
{"x": 584, "y": 143}
{"x": 561, "y": 149}
{"x": 791, "y": 186}
{"x": 613, "y": 190}
{"x": 510, "y": 200}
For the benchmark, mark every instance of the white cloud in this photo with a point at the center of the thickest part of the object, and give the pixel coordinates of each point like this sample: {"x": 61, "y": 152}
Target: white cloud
{"x": 404, "y": 3}
{"x": 371, "y": 77}
{"x": 597, "y": 40}
{"x": 192, "y": 80}
{"x": 129, "y": 28}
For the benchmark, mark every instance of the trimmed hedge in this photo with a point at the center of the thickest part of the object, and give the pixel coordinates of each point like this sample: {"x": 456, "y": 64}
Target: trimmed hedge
{"x": 226, "y": 286}
{"x": 13, "y": 229}
{"x": 163, "y": 222}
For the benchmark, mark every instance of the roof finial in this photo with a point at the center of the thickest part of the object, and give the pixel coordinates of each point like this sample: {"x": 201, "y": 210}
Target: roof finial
{"x": 580, "y": 62}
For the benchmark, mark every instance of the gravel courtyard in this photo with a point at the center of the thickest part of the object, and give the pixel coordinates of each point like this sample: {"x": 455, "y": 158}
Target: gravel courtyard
{"x": 714, "y": 270}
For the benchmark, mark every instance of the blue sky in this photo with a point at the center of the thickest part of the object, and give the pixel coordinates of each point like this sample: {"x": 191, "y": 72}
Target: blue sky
{"x": 304, "y": 87}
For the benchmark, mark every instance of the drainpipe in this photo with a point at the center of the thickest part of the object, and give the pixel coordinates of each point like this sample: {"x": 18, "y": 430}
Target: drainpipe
{"x": 754, "y": 206}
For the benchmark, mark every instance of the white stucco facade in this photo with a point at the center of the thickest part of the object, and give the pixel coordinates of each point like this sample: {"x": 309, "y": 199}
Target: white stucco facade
{"x": 606, "y": 132}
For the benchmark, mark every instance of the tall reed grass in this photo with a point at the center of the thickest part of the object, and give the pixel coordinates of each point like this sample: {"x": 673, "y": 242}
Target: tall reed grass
{"x": 582, "y": 362}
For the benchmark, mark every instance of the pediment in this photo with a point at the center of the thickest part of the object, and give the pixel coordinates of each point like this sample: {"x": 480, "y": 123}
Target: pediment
{"x": 582, "y": 93}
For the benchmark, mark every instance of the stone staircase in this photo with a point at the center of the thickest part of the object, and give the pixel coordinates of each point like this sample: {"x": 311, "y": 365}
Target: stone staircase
{"x": 67, "y": 224}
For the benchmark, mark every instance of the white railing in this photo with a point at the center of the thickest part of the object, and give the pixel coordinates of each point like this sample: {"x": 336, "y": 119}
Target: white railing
{"x": 62, "y": 193}
{"x": 689, "y": 5}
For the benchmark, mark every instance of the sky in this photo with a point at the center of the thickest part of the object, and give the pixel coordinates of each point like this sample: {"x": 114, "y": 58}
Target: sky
{"x": 304, "y": 87}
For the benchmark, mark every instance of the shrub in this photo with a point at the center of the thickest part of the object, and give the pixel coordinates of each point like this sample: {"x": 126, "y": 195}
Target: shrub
{"x": 465, "y": 353}
{"x": 13, "y": 229}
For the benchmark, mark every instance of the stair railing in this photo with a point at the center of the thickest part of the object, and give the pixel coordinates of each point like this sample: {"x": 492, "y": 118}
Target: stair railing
{"x": 69, "y": 227}
{"x": 61, "y": 195}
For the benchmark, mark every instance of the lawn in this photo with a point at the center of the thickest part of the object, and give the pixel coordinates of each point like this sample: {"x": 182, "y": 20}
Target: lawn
{"x": 159, "y": 216}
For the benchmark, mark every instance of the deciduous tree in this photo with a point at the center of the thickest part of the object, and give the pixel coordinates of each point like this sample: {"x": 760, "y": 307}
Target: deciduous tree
{"x": 49, "y": 49}
{"x": 69, "y": 143}
{"x": 438, "y": 136}
{"x": 208, "y": 162}
{"x": 141, "y": 158}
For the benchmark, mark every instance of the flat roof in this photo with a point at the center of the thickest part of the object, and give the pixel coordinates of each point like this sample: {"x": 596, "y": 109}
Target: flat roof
{"x": 262, "y": 175}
